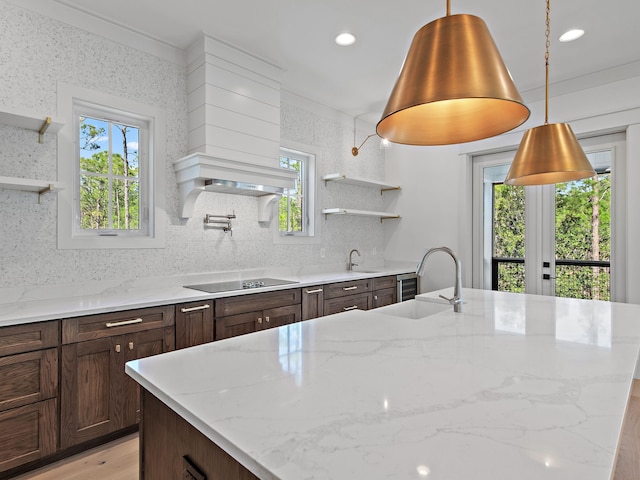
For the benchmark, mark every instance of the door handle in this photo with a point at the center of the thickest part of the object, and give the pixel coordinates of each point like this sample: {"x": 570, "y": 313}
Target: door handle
{"x": 123, "y": 323}
{"x": 317, "y": 290}
{"x": 354, "y": 307}
{"x": 350, "y": 288}
{"x": 193, "y": 309}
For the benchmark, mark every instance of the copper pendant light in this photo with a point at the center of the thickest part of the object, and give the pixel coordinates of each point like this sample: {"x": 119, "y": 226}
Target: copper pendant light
{"x": 453, "y": 87}
{"x": 549, "y": 153}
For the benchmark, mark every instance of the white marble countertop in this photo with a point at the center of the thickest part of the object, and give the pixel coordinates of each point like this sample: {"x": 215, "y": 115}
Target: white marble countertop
{"x": 515, "y": 386}
{"x": 33, "y": 304}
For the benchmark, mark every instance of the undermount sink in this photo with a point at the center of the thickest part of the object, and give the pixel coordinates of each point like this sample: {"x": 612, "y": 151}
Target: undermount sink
{"x": 414, "y": 309}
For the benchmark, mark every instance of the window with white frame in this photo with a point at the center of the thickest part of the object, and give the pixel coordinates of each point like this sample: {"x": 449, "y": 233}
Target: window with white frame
{"x": 296, "y": 209}
{"x": 106, "y": 156}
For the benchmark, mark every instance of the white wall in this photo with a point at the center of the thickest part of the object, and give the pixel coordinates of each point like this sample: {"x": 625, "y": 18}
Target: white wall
{"x": 37, "y": 51}
{"x": 436, "y": 197}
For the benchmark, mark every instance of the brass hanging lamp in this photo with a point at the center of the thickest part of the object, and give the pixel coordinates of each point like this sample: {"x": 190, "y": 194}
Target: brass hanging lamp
{"x": 453, "y": 87}
{"x": 549, "y": 153}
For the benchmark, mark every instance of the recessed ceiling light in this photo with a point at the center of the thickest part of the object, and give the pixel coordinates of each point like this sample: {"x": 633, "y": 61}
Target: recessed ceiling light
{"x": 571, "y": 35}
{"x": 345, "y": 39}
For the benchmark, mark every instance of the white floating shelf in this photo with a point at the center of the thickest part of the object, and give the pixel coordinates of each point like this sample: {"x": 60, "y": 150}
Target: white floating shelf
{"x": 361, "y": 182}
{"x": 30, "y": 121}
{"x": 29, "y": 185}
{"x": 360, "y": 213}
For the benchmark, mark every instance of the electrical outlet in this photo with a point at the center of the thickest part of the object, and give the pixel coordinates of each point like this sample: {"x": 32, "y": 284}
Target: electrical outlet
{"x": 322, "y": 252}
{"x": 375, "y": 252}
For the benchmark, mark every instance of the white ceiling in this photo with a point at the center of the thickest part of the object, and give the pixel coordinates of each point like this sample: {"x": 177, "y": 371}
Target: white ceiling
{"x": 297, "y": 35}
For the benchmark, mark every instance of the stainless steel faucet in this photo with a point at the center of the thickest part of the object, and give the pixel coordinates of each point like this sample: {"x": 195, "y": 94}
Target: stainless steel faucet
{"x": 350, "y": 264}
{"x": 456, "y": 301}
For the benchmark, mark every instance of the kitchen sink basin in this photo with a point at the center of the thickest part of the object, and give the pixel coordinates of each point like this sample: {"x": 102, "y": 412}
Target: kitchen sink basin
{"x": 414, "y": 309}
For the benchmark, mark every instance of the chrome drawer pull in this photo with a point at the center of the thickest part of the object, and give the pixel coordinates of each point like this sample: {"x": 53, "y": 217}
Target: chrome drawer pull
{"x": 193, "y": 309}
{"x": 317, "y": 290}
{"x": 349, "y": 288}
{"x": 118, "y": 348}
{"x": 355, "y": 307}
{"x": 125, "y": 322}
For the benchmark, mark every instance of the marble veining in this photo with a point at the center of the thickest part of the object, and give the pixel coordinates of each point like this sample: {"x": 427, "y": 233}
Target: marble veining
{"x": 50, "y": 302}
{"x": 516, "y": 386}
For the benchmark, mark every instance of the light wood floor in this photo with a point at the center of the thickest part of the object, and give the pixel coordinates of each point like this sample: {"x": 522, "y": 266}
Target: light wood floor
{"x": 118, "y": 460}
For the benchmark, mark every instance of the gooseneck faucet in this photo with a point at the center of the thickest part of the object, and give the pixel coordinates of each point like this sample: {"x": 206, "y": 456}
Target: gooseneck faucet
{"x": 350, "y": 264}
{"x": 456, "y": 301}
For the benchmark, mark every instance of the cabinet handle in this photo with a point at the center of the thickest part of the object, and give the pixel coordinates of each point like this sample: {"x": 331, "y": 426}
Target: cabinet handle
{"x": 118, "y": 348}
{"x": 130, "y": 345}
{"x": 349, "y": 288}
{"x": 266, "y": 319}
{"x": 125, "y": 322}
{"x": 354, "y": 307}
{"x": 193, "y": 309}
{"x": 375, "y": 297}
{"x": 259, "y": 319}
{"x": 317, "y": 290}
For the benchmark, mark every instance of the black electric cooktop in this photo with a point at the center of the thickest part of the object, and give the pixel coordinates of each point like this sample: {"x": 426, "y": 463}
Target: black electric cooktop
{"x": 239, "y": 285}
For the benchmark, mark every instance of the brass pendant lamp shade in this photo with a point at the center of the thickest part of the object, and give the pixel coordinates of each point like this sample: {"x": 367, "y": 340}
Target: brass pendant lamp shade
{"x": 549, "y": 153}
{"x": 453, "y": 87}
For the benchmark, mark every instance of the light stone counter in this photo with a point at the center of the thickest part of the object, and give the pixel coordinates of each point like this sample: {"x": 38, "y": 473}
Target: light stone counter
{"x": 51, "y": 302}
{"x": 515, "y": 387}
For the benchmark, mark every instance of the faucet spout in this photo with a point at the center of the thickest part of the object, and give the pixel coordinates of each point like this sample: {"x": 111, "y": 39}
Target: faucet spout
{"x": 456, "y": 301}
{"x": 350, "y": 263}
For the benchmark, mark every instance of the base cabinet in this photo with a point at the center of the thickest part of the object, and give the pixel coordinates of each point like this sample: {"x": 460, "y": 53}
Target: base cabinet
{"x": 97, "y": 397}
{"x": 312, "y": 302}
{"x": 28, "y": 393}
{"x": 194, "y": 324}
{"x": 248, "y": 313}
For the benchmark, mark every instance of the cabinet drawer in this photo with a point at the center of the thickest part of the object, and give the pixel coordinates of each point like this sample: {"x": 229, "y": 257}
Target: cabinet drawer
{"x": 385, "y": 282}
{"x": 27, "y": 433}
{"x": 347, "y": 288}
{"x": 28, "y": 378}
{"x": 28, "y": 337}
{"x": 361, "y": 301}
{"x": 257, "y": 301}
{"x": 117, "y": 323}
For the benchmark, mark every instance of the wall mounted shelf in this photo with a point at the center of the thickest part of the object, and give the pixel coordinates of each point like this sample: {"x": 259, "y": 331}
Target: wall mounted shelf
{"x": 359, "y": 213}
{"x": 361, "y": 182}
{"x": 30, "y": 121}
{"x": 40, "y": 187}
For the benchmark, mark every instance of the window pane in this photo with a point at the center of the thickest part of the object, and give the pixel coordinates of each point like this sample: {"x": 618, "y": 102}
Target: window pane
{"x": 94, "y": 145}
{"x": 125, "y": 150}
{"x": 583, "y": 238}
{"x": 125, "y": 205}
{"x": 94, "y": 202}
{"x": 508, "y": 238}
{"x": 291, "y": 206}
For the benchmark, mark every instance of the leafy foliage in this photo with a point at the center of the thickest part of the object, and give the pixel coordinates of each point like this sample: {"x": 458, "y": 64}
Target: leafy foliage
{"x": 290, "y": 208}
{"x": 583, "y": 233}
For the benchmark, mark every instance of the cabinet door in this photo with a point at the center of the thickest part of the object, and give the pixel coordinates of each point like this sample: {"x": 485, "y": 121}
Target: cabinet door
{"x": 276, "y": 317}
{"x": 384, "y": 297}
{"x": 142, "y": 345}
{"x": 92, "y": 389}
{"x": 194, "y": 324}
{"x": 28, "y": 378}
{"x": 344, "y": 304}
{"x": 312, "y": 302}
{"x": 27, "y": 433}
{"x": 235, "y": 325}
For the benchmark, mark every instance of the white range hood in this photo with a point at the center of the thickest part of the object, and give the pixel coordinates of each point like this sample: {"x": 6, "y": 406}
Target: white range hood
{"x": 233, "y": 101}
{"x": 199, "y": 172}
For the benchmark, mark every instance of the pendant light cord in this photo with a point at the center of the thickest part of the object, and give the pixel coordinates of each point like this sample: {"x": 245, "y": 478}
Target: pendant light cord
{"x": 546, "y": 66}
{"x": 448, "y": 7}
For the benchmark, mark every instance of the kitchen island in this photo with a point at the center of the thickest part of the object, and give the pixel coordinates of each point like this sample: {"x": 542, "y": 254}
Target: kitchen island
{"x": 515, "y": 386}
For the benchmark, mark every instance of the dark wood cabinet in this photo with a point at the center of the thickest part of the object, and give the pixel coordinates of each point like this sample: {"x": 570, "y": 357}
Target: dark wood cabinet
{"x": 194, "y": 324}
{"x": 353, "y": 287}
{"x": 385, "y": 291}
{"x": 312, "y": 302}
{"x": 97, "y": 397}
{"x": 28, "y": 393}
{"x": 250, "y": 313}
{"x": 361, "y": 301}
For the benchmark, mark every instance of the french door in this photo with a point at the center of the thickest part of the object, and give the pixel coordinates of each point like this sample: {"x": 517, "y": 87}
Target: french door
{"x": 562, "y": 240}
